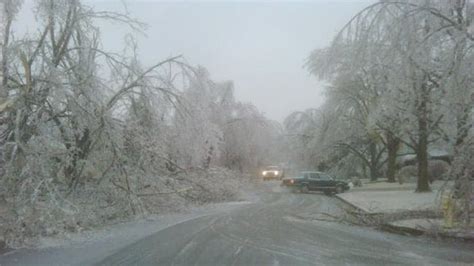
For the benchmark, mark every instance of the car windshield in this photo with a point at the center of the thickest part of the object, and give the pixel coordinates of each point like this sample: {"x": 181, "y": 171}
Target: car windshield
{"x": 236, "y": 132}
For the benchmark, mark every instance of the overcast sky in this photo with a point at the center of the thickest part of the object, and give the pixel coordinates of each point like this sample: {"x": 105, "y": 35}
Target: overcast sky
{"x": 262, "y": 46}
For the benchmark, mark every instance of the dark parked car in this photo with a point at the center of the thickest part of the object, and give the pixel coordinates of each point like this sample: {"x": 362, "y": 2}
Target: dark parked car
{"x": 316, "y": 181}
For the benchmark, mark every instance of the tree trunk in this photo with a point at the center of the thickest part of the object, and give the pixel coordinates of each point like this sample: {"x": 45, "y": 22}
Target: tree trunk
{"x": 393, "y": 144}
{"x": 4, "y": 70}
{"x": 459, "y": 170}
{"x": 462, "y": 158}
{"x": 422, "y": 145}
{"x": 82, "y": 147}
{"x": 422, "y": 158}
{"x": 373, "y": 161}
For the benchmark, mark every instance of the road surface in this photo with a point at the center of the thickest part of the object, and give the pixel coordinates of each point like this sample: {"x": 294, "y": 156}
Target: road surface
{"x": 285, "y": 229}
{"x": 281, "y": 229}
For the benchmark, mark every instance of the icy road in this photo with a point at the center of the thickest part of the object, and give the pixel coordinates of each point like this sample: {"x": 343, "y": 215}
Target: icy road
{"x": 278, "y": 229}
{"x": 284, "y": 229}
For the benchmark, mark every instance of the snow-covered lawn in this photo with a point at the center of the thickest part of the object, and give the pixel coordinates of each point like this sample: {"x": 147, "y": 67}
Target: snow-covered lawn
{"x": 435, "y": 226}
{"x": 392, "y": 197}
{"x": 390, "y": 201}
{"x": 385, "y": 186}
{"x": 382, "y": 185}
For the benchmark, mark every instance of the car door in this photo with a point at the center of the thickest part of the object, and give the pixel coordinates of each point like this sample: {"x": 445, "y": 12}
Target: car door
{"x": 306, "y": 179}
{"x": 315, "y": 181}
{"x": 326, "y": 181}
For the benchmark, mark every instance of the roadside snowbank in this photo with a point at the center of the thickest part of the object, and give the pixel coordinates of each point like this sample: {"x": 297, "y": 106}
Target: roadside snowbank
{"x": 96, "y": 206}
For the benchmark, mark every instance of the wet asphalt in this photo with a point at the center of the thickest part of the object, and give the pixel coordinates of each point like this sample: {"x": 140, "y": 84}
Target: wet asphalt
{"x": 284, "y": 228}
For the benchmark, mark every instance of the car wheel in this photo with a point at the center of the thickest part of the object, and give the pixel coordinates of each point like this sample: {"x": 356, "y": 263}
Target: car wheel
{"x": 339, "y": 190}
{"x": 304, "y": 189}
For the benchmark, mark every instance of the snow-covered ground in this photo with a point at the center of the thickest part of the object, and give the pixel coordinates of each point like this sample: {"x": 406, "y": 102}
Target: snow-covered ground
{"x": 437, "y": 226}
{"x": 384, "y": 186}
{"x": 392, "y": 197}
{"x": 390, "y": 201}
{"x": 87, "y": 247}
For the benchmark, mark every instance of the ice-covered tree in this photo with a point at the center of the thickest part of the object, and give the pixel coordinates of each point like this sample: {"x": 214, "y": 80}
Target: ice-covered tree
{"x": 403, "y": 49}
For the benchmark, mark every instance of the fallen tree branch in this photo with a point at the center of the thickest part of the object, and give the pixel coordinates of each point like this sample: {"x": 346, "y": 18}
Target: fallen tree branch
{"x": 164, "y": 193}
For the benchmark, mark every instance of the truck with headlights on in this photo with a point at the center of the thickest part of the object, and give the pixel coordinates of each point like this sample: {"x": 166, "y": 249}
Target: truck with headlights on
{"x": 272, "y": 173}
